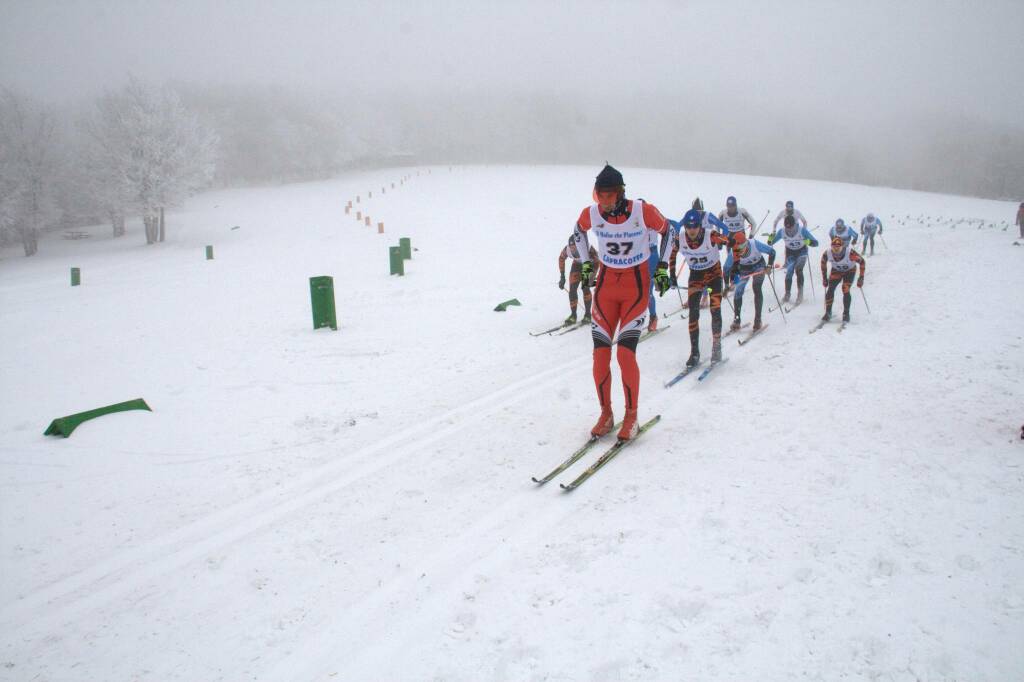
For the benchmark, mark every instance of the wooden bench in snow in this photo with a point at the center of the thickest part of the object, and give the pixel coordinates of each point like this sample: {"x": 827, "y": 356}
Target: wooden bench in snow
{"x": 76, "y": 234}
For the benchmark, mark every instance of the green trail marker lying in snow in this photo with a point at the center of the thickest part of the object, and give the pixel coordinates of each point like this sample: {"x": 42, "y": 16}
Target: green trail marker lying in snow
{"x": 63, "y": 426}
{"x": 502, "y": 306}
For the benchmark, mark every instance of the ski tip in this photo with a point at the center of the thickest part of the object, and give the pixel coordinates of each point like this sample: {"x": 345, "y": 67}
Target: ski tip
{"x": 534, "y": 479}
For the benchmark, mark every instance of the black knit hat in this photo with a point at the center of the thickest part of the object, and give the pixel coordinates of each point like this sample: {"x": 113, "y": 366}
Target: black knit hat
{"x": 608, "y": 178}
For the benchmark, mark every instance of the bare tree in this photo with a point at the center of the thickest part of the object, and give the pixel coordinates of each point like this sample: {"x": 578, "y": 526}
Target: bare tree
{"x": 30, "y": 160}
{"x": 147, "y": 152}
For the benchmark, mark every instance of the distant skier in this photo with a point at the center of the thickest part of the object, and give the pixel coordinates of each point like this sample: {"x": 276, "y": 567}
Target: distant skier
{"x": 734, "y": 218}
{"x": 653, "y": 262}
{"x": 620, "y": 297}
{"x": 868, "y": 227}
{"x": 843, "y": 231}
{"x": 1020, "y": 219}
{"x": 790, "y": 210}
{"x": 575, "y": 280}
{"x": 844, "y": 262}
{"x": 796, "y": 240}
{"x": 698, "y": 243}
{"x": 750, "y": 265}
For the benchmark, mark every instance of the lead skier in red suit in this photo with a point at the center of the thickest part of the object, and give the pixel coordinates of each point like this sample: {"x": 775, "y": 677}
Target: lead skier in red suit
{"x": 622, "y": 229}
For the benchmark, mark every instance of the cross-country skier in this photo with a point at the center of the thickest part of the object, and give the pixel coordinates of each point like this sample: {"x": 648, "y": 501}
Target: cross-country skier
{"x": 796, "y": 240}
{"x": 750, "y": 265}
{"x": 844, "y": 262}
{"x": 868, "y": 227}
{"x": 790, "y": 210}
{"x": 734, "y": 218}
{"x": 575, "y": 280}
{"x": 843, "y": 231}
{"x": 699, "y": 244}
{"x": 1020, "y": 219}
{"x": 620, "y": 297}
{"x": 653, "y": 261}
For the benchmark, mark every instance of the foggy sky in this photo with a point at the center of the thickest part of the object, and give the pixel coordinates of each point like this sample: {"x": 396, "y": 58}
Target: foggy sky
{"x": 886, "y": 57}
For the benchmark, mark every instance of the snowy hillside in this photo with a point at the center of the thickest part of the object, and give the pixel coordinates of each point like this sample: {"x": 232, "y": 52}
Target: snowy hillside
{"x": 357, "y": 505}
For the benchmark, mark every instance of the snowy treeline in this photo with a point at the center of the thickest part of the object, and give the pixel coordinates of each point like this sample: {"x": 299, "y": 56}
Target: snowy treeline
{"x": 137, "y": 151}
{"x": 143, "y": 148}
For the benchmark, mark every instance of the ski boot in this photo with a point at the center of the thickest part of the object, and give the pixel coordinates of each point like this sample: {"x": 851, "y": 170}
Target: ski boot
{"x": 827, "y": 316}
{"x": 735, "y": 326}
{"x": 653, "y": 324}
{"x": 799, "y": 296}
{"x": 785, "y": 297}
{"x": 586, "y": 319}
{"x": 694, "y": 359}
{"x": 571, "y": 320}
{"x": 716, "y": 350}
{"x": 604, "y": 423}
{"x": 757, "y": 323}
{"x": 630, "y": 426}
{"x": 846, "y": 316}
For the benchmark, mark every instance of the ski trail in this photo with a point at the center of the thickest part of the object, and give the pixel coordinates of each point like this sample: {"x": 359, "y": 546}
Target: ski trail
{"x": 120, "y": 574}
{"x": 395, "y": 612}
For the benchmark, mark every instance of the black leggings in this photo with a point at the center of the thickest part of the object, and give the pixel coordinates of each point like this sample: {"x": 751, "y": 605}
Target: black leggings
{"x": 833, "y": 281}
{"x": 747, "y": 274}
{"x": 699, "y": 281}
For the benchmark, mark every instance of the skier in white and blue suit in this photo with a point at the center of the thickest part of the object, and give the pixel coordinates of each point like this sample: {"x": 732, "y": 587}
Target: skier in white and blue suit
{"x": 796, "y": 240}
{"x": 748, "y": 263}
{"x": 844, "y": 232}
{"x": 868, "y": 227}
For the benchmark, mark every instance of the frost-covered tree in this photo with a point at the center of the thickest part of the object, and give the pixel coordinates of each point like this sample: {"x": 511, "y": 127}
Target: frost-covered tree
{"x": 30, "y": 164}
{"x": 147, "y": 152}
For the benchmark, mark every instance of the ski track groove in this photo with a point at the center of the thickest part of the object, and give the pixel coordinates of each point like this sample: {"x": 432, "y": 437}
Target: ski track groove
{"x": 377, "y": 632}
{"x": 113, "y": 577}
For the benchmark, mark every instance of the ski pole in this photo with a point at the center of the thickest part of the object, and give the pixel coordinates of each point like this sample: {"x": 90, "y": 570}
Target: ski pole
{"x": 883, "y": 241}
{"x": 807, "y": 262}
{"x": 682, "y": 306}
{"x": 759, "y": 224}
{"x": 865, "y": 299}
{"x": 771, "y": 280}
{"x": 731, "y": 307}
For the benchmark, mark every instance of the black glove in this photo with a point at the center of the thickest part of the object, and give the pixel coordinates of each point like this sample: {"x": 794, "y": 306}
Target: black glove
{"x": 824, "y": 283}
{"x": 860, "y": 281}
{"x": 561, "y": 281}
{"x": 673, "y": 280}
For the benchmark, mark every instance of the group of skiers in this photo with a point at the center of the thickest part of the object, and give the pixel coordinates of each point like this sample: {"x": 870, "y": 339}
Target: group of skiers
{"x": 637, "y": 248}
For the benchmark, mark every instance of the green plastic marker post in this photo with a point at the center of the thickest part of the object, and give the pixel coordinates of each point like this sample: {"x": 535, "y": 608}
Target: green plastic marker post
{"x": 209, "y": 252}
{"x": 405, "y": 244}
{"x": 397, "y": 262}
{"x": 76, "y": 277}
{"x": 321, "y": 293}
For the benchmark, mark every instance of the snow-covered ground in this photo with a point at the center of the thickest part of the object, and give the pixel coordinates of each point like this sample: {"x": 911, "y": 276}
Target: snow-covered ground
{"x": 357, "y": 505}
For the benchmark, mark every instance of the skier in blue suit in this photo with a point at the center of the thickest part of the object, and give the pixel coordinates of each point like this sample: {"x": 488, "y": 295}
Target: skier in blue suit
{"x": 844, "y": 232}
{"x": 868, "y": 226}
{"x": 748, "y": 263}
{"x": 796, "y": 240}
